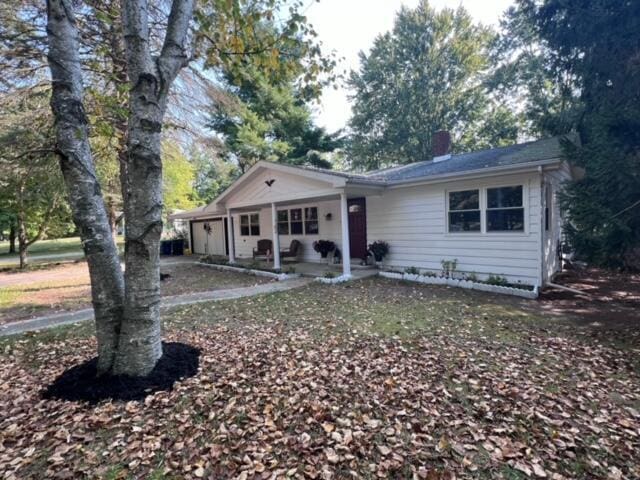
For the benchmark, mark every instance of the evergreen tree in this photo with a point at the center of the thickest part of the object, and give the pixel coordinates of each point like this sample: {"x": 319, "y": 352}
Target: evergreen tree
{"x": 268, "y": 118}
{"x": 596, "y": 44}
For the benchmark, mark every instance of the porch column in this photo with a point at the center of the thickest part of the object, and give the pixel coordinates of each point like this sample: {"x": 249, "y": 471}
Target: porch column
{"x": 344, "y": 220}
{"x": 232, "y": 249}
{"x": 276, "y": 237}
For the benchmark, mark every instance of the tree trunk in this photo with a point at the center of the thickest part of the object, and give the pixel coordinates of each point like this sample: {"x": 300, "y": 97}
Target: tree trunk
{"x": 87, "y": 204}
{"x": 23, "y": 245}
{"x": 128, "y": 322}
{"x": 140, "y": 343}
{"x": 23, "y": 256}
{"x": 12, "y": 239}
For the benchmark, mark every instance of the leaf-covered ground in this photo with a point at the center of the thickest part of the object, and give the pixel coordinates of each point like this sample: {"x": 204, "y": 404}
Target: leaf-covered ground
{"x": 373, "y": 379}
{"x": 66, "y": 287}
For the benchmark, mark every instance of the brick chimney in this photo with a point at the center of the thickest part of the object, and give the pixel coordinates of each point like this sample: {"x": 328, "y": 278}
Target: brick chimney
{"x": 440, "y": 144}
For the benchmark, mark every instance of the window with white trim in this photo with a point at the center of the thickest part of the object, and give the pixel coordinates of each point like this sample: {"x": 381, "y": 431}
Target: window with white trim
{"x": 292, "y": 222}
{"x": 464, "y": 211}
{"x": 250, "y": 225}
{"x": 311, "y": 225}
{"x": 283, "y": 222}
{"x": 505, "y": 209}
{"x": 295, "y": 215}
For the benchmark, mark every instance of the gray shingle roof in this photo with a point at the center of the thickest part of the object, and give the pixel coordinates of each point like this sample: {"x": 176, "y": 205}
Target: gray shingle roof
{"x": 515, "y": 155}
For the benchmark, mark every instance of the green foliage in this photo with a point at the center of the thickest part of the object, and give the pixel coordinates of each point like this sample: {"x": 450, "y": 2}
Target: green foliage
{"x": 427, "y": 74}
{"x": 529, "y": 74}
{"x": 497, "y": 280}
{"x": 178, "y": 179}
{"x": 449, "y": 267}
{"x": 379, "y": 249}
{"x": 471, "y": 277}
{"x": 213, "y": 173}
{"x": 265, "y": 118}
{"x": 596, "y": 44}
{"x": 412, "y": 270}
{"x": 31, "y": 186}
{"x": 271, "y": 36}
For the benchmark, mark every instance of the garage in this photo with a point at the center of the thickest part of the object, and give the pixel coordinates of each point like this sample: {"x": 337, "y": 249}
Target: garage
{"x": 208, "y": 236}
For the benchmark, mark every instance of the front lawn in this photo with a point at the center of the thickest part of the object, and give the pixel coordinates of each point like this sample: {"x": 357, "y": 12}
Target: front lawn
{"x": 46, "y": 252}
{"x": 66, "y": 287}
{"x": 372, "y": 379}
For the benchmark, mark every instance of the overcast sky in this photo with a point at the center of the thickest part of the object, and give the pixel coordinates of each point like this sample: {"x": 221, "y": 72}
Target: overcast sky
{"x": 349, "y": 26}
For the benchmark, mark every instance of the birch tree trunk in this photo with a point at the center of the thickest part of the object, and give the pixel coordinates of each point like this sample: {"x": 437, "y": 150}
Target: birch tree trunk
{"x": 85, "y": 197}
{"x": 151, "y": 78}
{"x": 127, "y": 319}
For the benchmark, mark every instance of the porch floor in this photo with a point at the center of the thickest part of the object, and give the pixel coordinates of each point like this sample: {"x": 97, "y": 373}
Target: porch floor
{"x": 312, "y": 269}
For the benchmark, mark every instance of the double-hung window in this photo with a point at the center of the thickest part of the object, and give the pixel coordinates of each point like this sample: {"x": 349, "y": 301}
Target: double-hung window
{"x": 295, "y": 214}
{"x": 311, "y": 226}
{"x": 464, "y": 211}
{"x": 250, "y": 225}
{"x": 298, "y": 221}
{"x": 283, "y": 222}
{"x": 505, "y": 209}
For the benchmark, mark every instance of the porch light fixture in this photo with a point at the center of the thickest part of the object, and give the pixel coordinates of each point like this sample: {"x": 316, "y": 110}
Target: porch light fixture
{"x": 328, "y": 217}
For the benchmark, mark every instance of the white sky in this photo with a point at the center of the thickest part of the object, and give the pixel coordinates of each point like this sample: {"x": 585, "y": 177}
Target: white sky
{"x": 349, "y": 26}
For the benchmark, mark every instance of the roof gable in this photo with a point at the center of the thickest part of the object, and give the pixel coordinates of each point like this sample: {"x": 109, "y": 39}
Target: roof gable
{"x": 267, "y": 183}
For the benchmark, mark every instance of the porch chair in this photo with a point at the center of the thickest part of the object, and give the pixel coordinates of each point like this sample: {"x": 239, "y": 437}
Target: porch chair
{"x": 264, "y": 249}
{"x": 292, "y": 252}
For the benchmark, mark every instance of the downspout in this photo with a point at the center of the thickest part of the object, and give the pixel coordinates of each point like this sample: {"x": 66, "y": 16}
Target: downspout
{"x": 541, "y": 223}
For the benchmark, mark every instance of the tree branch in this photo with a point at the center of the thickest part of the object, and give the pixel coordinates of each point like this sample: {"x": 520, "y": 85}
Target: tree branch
{"x": 135, "y": 25}
{"x": 173, "y": 56}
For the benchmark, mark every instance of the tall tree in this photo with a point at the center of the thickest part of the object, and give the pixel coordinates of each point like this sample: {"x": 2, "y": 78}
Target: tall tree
{"x": 127, "y": 318}
{"x": 425, "y": 75}
{"x": 213, "y": 173}
{"x": 589, "y": 50}
{"x": 531, "y": 78}
{"x": 267, "y": 117}
{"x": 179, "y": 175}
{"x": 31, "y": 190}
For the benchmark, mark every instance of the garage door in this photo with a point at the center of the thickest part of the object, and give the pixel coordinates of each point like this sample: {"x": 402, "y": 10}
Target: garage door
{"x": 208, "y": 237}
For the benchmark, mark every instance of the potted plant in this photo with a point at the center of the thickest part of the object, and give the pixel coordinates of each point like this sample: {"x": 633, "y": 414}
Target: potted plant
{"x": 324, "y": 247}
{"x": 379, "y": 249}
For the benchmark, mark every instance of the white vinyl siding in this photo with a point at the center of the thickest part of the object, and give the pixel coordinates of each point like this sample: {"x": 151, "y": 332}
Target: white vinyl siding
{"x": 414, "y": 221}
{"x": 329, "y": 230}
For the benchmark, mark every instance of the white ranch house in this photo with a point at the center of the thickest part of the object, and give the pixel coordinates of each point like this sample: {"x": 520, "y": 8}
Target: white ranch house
{"x": 495, "y": 211}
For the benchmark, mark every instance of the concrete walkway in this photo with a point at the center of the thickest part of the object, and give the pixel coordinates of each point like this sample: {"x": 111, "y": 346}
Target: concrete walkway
{"x": 50, "y": 321}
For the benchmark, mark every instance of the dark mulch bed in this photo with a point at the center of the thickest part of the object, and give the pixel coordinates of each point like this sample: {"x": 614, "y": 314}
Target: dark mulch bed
{"x": 80, "y": 383}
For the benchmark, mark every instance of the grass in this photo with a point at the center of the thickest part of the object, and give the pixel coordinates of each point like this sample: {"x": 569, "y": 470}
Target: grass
{"x": 43, "y": 247}
{"x": 67, "y": 288}
{"x": 58, "y": 246}
{"x": 422, "y": 363}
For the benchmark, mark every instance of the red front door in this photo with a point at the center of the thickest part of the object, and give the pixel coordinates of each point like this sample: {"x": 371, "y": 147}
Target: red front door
{"x": 358, "y": 227}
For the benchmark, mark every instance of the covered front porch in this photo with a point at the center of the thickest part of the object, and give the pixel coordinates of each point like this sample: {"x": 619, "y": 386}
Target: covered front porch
{"x": 274, "y": 208}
